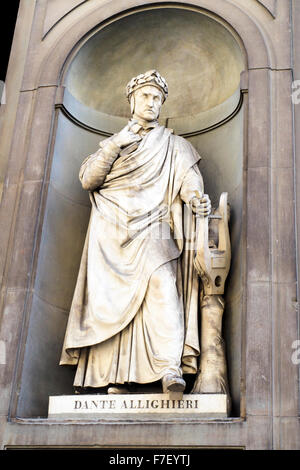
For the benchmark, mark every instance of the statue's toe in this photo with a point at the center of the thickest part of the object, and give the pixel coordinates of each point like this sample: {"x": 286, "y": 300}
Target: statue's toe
{"x": 117, "y": 390}
{"x": 173, "y": 383}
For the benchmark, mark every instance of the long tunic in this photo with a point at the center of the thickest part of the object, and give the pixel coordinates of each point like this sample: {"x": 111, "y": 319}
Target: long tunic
{"x": 137, "y": 225}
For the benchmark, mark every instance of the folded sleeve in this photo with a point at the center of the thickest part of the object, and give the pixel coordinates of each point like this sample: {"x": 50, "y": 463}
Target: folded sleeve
{"x": 96, "y": 167}
{"x": 192, "y": 185}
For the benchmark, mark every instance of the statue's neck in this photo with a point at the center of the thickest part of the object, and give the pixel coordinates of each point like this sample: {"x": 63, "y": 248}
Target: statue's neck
{"x": 145, "y": 124}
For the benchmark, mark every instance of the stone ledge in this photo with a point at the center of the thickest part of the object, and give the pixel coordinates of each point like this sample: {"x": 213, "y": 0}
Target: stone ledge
{"x": 156, "y": 405}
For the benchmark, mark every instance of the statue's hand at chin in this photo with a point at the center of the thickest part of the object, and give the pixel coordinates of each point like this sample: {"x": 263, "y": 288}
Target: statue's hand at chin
{"x": 127, "y": 136}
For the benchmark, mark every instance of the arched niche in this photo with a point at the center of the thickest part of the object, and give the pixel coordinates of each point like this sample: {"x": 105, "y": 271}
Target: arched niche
{"x": 202, "y": 62}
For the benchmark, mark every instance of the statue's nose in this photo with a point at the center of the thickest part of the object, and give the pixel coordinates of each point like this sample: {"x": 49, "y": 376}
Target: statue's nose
{"x": 150, "y": 101}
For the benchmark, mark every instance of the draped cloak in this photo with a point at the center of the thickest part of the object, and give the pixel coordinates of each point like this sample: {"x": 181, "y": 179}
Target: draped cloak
{"x": 138, "y": 223}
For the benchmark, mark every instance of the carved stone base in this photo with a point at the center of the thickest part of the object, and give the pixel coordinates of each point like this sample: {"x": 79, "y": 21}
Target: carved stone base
{"x": 138, "y": 406}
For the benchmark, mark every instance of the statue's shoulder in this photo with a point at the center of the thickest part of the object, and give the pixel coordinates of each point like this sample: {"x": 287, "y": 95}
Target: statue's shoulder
{"x": 184, "y": 150}
{"x": 178, "y": 140}
{"x": 183, "y": 143}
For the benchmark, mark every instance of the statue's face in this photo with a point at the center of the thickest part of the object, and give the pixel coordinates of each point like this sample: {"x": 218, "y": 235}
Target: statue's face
{"x": 148, "y": 101}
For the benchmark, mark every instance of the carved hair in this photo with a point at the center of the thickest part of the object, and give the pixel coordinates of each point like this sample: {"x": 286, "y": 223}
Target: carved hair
{"x": 152, "y": 77}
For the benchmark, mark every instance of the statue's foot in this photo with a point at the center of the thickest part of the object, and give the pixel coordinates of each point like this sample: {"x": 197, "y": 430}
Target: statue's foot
{"x": 173, "y": 383}
{"x": 117, "y": 390}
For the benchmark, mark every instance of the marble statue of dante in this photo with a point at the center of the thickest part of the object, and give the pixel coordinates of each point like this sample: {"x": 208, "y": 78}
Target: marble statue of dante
{"x": 134, "y": 315}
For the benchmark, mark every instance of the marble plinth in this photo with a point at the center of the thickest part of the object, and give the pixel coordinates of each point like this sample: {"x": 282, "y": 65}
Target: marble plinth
{"x": 156, "y": 405}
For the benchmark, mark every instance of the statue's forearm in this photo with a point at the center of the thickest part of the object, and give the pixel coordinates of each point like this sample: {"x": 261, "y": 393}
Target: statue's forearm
{"x": 192, "y": 184}
{"x": 96, "y": 167}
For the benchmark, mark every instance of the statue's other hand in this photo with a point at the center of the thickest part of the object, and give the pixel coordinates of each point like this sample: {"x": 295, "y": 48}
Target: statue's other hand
{"x": 201, "y": 206}
{"x": 126, "y": 137}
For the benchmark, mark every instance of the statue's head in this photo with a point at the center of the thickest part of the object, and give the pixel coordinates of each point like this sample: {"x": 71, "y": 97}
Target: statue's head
{"x": 146, "y": 93}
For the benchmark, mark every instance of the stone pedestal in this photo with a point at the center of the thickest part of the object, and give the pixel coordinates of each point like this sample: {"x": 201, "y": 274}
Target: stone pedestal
{"x": 138, "y": 406}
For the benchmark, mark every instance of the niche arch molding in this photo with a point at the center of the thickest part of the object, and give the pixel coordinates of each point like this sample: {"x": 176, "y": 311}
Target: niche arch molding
{"x": 62, "y": 43}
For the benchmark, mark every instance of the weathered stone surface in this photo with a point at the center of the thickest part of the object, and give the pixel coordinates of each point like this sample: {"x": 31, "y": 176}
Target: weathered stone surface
{"x": 287, "y": 435}
{"x": 41, "y": 373}
{"x": 286, "y": 357}
{"x": 13, "y": 80}
{"x": 24, "y": 235}
{"x": 259, "y": 433}
{"x": 10, "y": 334}
{"x": 283, "y": 231}
{"x": 259, "y": 131}
{"x": 20, "y": 140}
{"x": 61, "y": 246}
{"x": 270, "y": 5}
{"x": 282, "y": 145}
{"x": 258, "y": 350}
{"x": 39, "y": 136}
{"x": 258, "y": 225}
{"x": 56, "y": 9}
{"x": 72, "y": 145}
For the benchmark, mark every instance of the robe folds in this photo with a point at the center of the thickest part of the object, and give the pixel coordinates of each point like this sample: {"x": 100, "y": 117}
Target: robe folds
{"x": 139, "y": 224}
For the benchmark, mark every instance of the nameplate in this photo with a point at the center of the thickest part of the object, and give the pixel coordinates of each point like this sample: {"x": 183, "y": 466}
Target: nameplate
{"x": 138, "y": 406}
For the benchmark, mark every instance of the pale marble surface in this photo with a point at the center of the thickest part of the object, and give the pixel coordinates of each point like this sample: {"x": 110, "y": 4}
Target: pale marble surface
{"x": 138, "y": 406}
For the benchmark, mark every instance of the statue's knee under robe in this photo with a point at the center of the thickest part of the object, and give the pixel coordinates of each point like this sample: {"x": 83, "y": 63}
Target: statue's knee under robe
{"x": 149, "y": 347}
